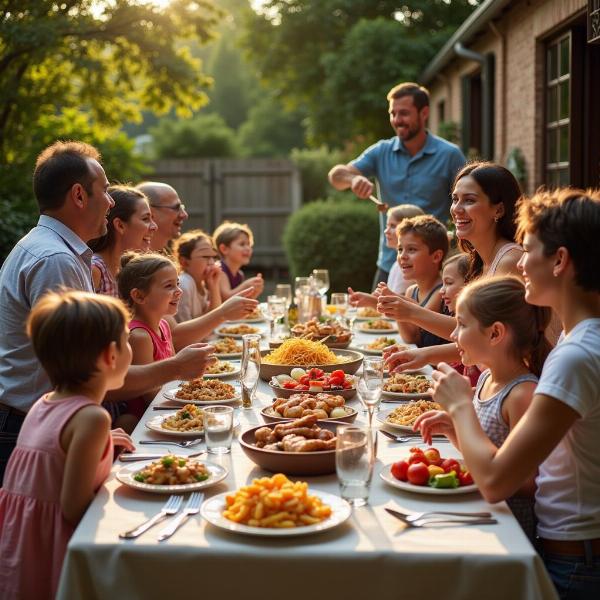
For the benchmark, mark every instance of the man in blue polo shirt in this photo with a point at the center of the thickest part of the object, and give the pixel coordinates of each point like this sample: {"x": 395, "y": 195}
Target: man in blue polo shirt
{"x": 414, "y": 167}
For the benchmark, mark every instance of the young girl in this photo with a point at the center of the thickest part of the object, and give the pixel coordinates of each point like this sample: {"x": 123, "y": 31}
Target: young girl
{"x": 234, "y": 243}
{"x": 130, "y": 227}
{"x": 496, "y": 328}
{"x": 65, "y": 449}
{"x": 559, "y": 434}
{"x": 148, "y": 285}
{"x": 199, "y": 275}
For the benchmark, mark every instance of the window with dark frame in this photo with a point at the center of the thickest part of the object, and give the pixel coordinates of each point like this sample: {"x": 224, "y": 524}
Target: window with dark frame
{"x": 558, "y": 111}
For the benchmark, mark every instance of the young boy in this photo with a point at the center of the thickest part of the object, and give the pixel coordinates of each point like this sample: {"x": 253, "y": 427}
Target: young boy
{"x": 559, "y": 432}
{"x": 422, "y": 247}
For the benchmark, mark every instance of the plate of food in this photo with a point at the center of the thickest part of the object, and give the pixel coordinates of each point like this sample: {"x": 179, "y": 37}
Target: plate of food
{"x": 323, "y": 406}
{"x": 367, "y": 313}
{"x": 309, "y": 447}
{"x": 227, "y": 347}
{"x": 222, "y": 369}
{"x": 171, "y": 474}
{"x": 407, "y": 386}
{"x": 377, "y": 346}
{"x": 403, "y": 417}
{"x": 186, "y": 422}
{"x": 427, "y": 472}
{"x": 297, "y": 352}
{"x": 237, "y": 331}
{"x": 316, "y": 511}
{"x": 203, "y": 391}
{"x": 315, "y": 329}
{"x": 378, "y": 326}
{"x": 314, "y": 381}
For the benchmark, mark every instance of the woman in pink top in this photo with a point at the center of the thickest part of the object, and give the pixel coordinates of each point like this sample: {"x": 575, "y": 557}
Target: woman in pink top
{"x": 65, "y": 448}
{"x": 148, "y": 283}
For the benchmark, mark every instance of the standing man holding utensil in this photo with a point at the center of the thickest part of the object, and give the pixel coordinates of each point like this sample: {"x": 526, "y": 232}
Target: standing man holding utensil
{"x": 413, "y": 167}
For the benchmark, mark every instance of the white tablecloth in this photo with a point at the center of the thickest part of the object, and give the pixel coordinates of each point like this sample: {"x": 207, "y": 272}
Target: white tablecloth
{"x": 370, "y": 556}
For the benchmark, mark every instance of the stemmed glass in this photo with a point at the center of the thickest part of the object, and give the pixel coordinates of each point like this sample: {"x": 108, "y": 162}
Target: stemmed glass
{"x": 276, "y": 307}
{"x": 250, "y": 368}
{"x": 370, "y": 385}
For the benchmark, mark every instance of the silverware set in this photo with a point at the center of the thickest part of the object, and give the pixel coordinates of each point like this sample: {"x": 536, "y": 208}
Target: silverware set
{"x": 171, "y": 507}
{"x": 135, "y": 456}
{"x": 441, "y": 517}
{"x": 185, "y": 444}
{"x": 409, "y": 437}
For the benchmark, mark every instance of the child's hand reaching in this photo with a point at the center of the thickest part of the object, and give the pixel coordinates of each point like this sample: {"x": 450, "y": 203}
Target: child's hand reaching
{"x": 238, "y": 306}
{"x": 257, "y": 284}
{"x": 398, "y": 361}
{"x": 120, "y": 438}
{"x": 395, "y": 307}
{"x": 192, "y": 360}
{"x": 435, "y": 422}
{"x": 211, "y": 276}
{"x": 361, "y": 299}
{"x": 450, "y": 388}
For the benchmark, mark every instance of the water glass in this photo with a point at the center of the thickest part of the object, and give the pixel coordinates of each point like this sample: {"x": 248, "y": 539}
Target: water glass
{"x": 250, "y": 368}
{"x": 370, "y": 385}
{"x": 284, "y": 290}
{"x": 276, "y": 307}
{"x": 354, "y": 460}
{"x": 321, "y": 277}
{"x": 339, "y": 304}
{"x": 218, "y": 429}
{"x": 301, "y": 288}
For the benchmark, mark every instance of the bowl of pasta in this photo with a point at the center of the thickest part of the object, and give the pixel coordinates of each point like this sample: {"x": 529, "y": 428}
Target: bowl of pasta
{"x": 307, "y": 354}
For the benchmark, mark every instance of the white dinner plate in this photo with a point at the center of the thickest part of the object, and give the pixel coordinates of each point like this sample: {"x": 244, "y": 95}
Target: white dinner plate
{"x": 236, "y": 371}
{"x": 229, "y": 354}
{"x": 363, "y": 348}
{"x": 386, "y": 475}
{"x": 402, "y": 396}
{"x": 237, "y": 336}
{"x": 364, "y": 329}
{"x": 170, "y": 395}
{"x": 155, "y": 424}
{"x": 249, "y": 321}
{"x": 382, "y": 415}
{"x": 213, "y": 508}
{"x": 127, "y": 473}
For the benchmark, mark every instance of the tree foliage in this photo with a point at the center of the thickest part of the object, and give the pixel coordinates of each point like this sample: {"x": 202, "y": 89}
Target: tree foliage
{"x": 108, "y": 57}
{"x": 338, "y": 58}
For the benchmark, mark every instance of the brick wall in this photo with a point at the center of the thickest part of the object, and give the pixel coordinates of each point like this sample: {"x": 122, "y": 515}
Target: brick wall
{"x": 517, "y": 40}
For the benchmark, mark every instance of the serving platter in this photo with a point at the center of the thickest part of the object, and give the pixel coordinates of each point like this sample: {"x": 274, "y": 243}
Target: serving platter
{"x": 386, "y": 475}
{"x": 212, "y": 511}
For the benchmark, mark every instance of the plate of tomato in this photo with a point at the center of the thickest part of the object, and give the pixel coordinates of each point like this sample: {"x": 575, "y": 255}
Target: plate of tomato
{"x": 425, "y": 471}
{"x": 314, "y": 381}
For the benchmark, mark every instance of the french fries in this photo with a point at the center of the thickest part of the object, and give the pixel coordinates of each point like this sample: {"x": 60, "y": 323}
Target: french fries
{"x": 275, "y": 502}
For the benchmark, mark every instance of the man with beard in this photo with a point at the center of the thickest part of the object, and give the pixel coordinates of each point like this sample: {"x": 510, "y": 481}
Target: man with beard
{"x": 413, "y": 167}
{"x": 168, "y": 212}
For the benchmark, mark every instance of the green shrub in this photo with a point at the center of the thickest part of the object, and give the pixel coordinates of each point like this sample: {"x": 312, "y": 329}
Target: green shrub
{"x": 14, "y": 224}
{"x": 314, "y": 164}
{"x": 341, "y": 236}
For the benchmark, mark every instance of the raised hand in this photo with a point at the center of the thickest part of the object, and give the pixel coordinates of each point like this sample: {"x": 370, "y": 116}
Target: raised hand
{"x": 238, "y": 306}
{"x": 361, "y": 299}
{"x": 211, "y": 275}
{"x": 394, "y": 306}
{"x": 411, "y": 359}
{"x": 450, "y": 388}
{"x": 361, "y": 186}
{"x": 192, "y": 360}
{"x": 434, "y": 422}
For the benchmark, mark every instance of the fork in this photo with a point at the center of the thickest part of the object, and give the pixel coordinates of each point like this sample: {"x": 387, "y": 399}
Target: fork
{"x": 399, "y": 438}
{"x": 171, "y": 507}
{"x": 191, "y": 508}
{"x": 186, "y": 444}
{"x": 425, "y": 522}
{"x": 412, "y": 517}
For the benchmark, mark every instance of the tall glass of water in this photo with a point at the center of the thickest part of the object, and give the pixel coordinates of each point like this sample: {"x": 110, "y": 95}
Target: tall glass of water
{"x": 339, "y": 304}
{"x": 370, "y": 385}
{"x": 354, "y": 460}
{"x": 284, "y": 290}
{"x": 250, "y": 369}
{"x": 321, "y": 277}
{"x": 301, "y": 287}
{"x": 277, "y": 309}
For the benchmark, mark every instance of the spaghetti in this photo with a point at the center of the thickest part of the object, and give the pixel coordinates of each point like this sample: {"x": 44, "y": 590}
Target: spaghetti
{"x": 303, "y": 353}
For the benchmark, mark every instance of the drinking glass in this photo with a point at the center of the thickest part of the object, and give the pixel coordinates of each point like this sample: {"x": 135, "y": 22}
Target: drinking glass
{"x": 301, "y": 287}
{"x": 354, "y": 460}
{"x": 321, "y": 277}
{"x": 339, "y": 304}
{"x": 277, "y": 309}
{"x": 284, "y": 290}
{"x": 218, "y": 429}
{"x": 250, "y": 368}
{"x": 370, "y": 385}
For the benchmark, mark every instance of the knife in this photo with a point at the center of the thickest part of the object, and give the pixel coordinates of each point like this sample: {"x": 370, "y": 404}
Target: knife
{"x": 126, "y": 457}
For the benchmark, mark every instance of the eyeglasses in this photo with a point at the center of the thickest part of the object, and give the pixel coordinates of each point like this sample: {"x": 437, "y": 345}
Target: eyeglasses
{"x": 179, "y": 207}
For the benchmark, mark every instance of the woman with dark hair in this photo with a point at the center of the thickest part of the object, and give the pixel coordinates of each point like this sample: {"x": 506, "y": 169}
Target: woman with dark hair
{"x": 130, "y": 227}
{"x": 483, "y": 207}
{"x": 484, "y": 197}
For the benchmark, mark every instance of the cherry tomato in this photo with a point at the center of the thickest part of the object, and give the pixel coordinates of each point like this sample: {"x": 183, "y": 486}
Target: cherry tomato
{"x": 418, "y": 473}
{"x": 304, "y": 379}
{"x": 399, "y": 470}
{"x": 336, "y": 380}
{"x": 451, "y": 464}
{"x": 433, "y": 456}
{"x": 290, "y": 385}
{"x": 417, "y": 458}
{"x": 338, "y": 373}
{"x": 465, "y": 478}
{"x": 315, "y": 373}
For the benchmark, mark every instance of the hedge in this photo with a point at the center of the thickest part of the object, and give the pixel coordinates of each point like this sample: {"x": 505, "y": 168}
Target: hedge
{"x": 341, "y": 236}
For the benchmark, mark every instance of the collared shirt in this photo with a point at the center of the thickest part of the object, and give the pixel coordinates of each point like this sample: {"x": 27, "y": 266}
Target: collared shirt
{"x": 424, "y": 179}
{"x": 49, "y": 256}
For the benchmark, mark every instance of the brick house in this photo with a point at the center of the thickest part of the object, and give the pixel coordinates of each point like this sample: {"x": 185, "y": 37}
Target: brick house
{"x": 519, "y": 83}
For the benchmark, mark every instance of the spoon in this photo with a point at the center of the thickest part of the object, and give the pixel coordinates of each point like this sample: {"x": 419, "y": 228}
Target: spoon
{"x": 381, "y": 206}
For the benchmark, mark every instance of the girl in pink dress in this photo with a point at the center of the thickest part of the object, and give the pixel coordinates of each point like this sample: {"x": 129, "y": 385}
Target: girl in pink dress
{"x": 148, "y": 283}
{"x": 65, "y": 448}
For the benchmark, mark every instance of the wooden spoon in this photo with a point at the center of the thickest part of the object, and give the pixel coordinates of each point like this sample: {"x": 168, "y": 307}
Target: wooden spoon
{"x": 381, "y": 206}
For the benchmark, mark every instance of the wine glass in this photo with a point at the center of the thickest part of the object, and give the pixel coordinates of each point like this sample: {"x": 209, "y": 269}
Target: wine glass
{"x": 370, "y": 385}
{"x": 276, "y": 307}
{"x": 321, "y": 277}
{"x": 250, "y": 368}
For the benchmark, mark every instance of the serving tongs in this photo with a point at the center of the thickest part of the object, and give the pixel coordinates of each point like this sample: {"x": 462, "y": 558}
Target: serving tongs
{"x": 382, "y": 207}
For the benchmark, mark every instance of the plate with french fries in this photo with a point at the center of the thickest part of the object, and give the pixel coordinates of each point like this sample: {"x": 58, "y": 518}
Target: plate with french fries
{"x": 264, "y": 513}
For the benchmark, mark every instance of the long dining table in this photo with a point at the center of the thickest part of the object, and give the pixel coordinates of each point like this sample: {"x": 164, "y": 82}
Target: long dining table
{"x": 371, "y": 555}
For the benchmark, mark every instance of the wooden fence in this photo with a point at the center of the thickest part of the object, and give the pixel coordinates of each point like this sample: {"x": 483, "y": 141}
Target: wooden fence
{"x": 260, "y": 192}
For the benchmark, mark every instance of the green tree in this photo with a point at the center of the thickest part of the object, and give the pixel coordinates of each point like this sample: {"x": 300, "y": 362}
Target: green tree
{"x": 202, "y": 136}
{"x": 358, "y": 49}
